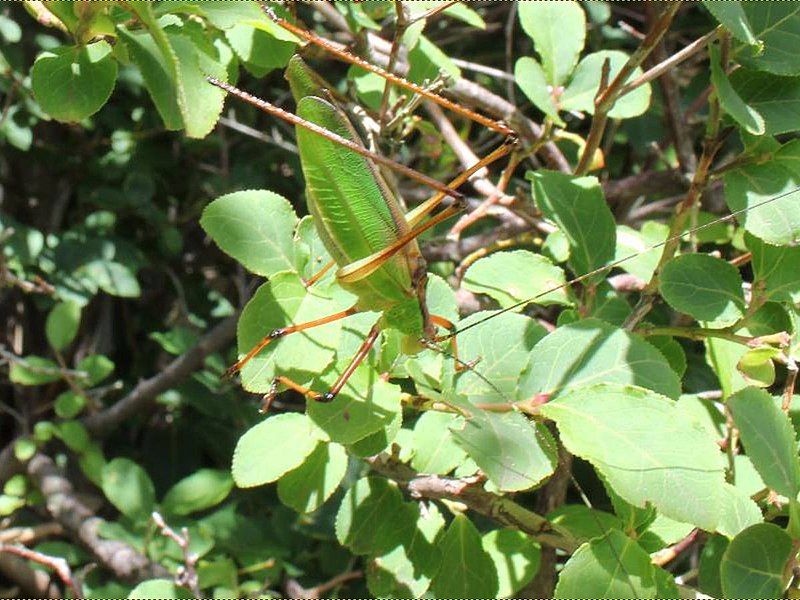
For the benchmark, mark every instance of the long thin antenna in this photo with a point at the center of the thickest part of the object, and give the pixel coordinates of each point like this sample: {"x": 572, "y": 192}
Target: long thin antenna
{"x": 620, "y": 261}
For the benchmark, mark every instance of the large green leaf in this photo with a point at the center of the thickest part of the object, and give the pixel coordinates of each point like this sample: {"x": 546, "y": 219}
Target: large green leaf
{"x": 164, "y": 589}
{"x": 274, "y": 447}
{"x": 435, "y": 451}
{"x": 510, "y": 277}
{"x": 778, "y": 267}
{"x": 777, "y": 26}
{"x": 514, "y": 453}
{"x": 74, "y": 82}
{"x": 467, "y": 570}
{"x": 558, "y": 31}
{"x": 737, "y": 511}
{"x": 731, "y": 14}
{"x": 613, "y": 566}
{"x": 532, "y": 80}
{"x": 255, "y": 227}
{"x": 769, "y": 439}
{"x": 516, "y": 559}
{"x": 705, "y": 287}
{"x": 748, "y": 188}
{"x": 501, "y": 346}
{"x": 201, "y": 490}
{"x": 637, "y": 441}
{"x": 305, "y": 488}
{"x": 776, "y": 98}
{"x": 748, "y": 117}
{"x": 754, "y": 563}
{"x": 592, "y": 351}
{"x": 129, "y": 488}
{"x": 577, "y": 206}
{"x": 582, "y": 89}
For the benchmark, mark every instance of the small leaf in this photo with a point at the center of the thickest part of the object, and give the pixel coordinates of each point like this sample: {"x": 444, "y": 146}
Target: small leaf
{"x": 272, "y": 448}
{"x": 745, "y": 115}
{"x": 757, "y": 367}
{"x": 516, "y": 559}
{"x": 558, "y": 31}
{"x": 510, "y": 277}
{"x": 164, "y": 589}
{"x": 578, "y": 208}
{"x": 705, "y": 287}
{"x": 307, "y": 487}
{"x": 201, "y": 490}
{"x": 255, "y": 227}
{"x": 129, "y": 488}
{"x": 62, "y": 324}
{"x": 467, "y": 570}
{"x": 778, "y": 267}
{"x": 74, "y": 435}
{"x": 613, "y": 566}
{"x": 591, "y": 351}
{"x": 532, "y": 80}
{"x": 72, "y": 83}
{"x": 769, "y": 439}
{"x": 776, "y": 98}
{"x": 513, "y": 452}
{"x": 637, "y": 441}
{"x": 97, "y": 367}
{"x": 34, "y": 370}
{"x": 582, "y": 88}
{"x": 754, "y": 563}
{"x": 24, "y": 449}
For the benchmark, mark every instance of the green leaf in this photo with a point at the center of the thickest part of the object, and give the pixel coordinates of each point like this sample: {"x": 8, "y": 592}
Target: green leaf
{"x": 307, "y": 487}
{"x": 757, "y": 367}
{"x": 283, "y": 301}
{"x": 361, "y": 522}
{"x": 637, "y": 441}
{"x": 24, "y": 449}
{"x": 778, "y": 267}
{"x": 502, "y": 347}
{"x": 737, "y": 511}
{"x": 753, "y": 565}
{"x": 613, "y": 566}
{"x": 428, "y": 61}
{"x": 731, "y": 102}
{"x": 558, "y": 31}
{"x": 592, "y": 351}
{"x": 260, "y": 51}
{"x": 435, "y": 451}
{"x": 532, "y": 80}
{"x": 514, "y": 453}
{"x": 776, "y": 98}
{"x": 769, "y": 439}
{"x": 510, "y": 277}
{"x": 516, "y": 559}
{"x": 97, "y": 367}
{"x": 577, "y": 206}
{"x": 255, "y": 227}
{"x": 749, "y": 187}
{"x": 74, "y": 435}
{"x": 582, "y": 522}
{"x": 272, "y": 448}
{"x": 201, "y": 490}
{"x": 407, "y": 569}
{"x": 62, "y": 324}
{"x": 164, "y": 589}
{"x": 582, "y": 88}
{"x": 72, "y": 83}
{"x": 129, "y": 488}
{"x": 467, "y": 570}
{"x": 731, "y": 14}
{"x": 112, "y": 277}
{"x": 776, "y": 29}
{"x": 34, "y": 370}
{"x": 633, "y": 247}
{"x": 10, "y": 504}
{"x": 704, "y": 287}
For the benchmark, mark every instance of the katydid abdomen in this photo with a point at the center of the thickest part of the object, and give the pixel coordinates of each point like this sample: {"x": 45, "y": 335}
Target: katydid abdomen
{"x": 357, "y": 216}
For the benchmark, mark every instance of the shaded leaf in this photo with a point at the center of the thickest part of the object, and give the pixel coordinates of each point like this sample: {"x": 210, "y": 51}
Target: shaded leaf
{"x": 467, "y": 570}
{"x": 129, "y": 488}
{"x": 306, "y": 488}
{"x": 516, "y": 559}
{"x": 201, "y": 490}
{"x": 62, "y": 324}
{"x": 754, "y": 562}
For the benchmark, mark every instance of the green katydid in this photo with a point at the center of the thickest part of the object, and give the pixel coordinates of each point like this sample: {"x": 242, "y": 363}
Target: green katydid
{"x": 362, "y": 225}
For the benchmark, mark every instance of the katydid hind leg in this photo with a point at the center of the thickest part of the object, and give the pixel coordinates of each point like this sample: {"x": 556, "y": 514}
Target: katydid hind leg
{"x": 284, "y": 331}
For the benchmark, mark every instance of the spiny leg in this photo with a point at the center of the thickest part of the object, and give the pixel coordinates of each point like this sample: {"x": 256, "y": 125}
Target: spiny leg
{"x": 319, "y": 274}
{"x": 340, "y": 382}
{"x": 283, "y": 331}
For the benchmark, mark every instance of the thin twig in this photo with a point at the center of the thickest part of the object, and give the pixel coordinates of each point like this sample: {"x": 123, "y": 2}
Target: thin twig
{"x": 187, "y": 573}
{"x": 56, "y": 563}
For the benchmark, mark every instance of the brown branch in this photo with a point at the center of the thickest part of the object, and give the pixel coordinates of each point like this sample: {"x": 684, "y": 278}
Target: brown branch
{"x": 56, "y": 563}
{"x": 32, "y": 582}
{"x": 81, "y": 523}
{"x": 470, "y": 493}
{"x": 143, "y": 395}
{"x": 607, "y": 97}
{"x": 294, "y": 589}
{"x": 187, "y": 574}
